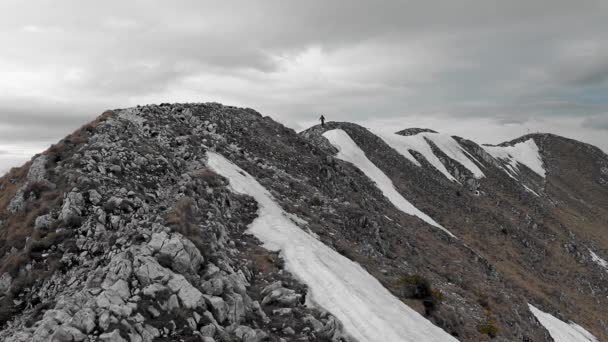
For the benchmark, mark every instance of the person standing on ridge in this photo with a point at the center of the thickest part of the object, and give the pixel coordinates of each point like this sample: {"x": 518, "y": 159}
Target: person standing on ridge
{"x": 322, "y": 118}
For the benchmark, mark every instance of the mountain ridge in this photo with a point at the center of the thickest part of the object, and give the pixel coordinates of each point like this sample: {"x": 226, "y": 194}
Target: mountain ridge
{"x": 138, "y": 176}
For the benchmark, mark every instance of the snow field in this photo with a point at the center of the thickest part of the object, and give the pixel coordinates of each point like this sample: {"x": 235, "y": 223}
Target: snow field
{"x": 368, "y": 311}
{"x": 560, "y": 330}
{"x": 524, "y": 153}
{"x": 350, "y": 152}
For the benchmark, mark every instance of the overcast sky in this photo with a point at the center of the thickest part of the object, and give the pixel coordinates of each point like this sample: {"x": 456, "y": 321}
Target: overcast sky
{"x": 489, "y": 70}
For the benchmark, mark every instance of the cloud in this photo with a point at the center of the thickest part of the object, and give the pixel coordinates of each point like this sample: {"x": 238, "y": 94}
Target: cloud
{"x": 599, "y": 122}
{"x": 506, "y": 65}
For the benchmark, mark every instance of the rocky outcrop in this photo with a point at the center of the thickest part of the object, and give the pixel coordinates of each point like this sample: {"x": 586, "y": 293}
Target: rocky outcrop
{"x": 154, "y": 250}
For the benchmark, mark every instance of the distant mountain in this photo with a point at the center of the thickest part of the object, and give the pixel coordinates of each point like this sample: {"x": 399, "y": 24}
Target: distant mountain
{"x": 204, "y": 222}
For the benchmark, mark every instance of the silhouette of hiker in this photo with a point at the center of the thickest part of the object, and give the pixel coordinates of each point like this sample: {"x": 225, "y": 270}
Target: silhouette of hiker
{"x": 322, "y": 118}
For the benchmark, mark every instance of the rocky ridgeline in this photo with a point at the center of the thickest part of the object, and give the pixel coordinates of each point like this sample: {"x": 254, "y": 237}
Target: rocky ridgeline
{"x": 121, "y": 232}
{"x": 156, "y": 245}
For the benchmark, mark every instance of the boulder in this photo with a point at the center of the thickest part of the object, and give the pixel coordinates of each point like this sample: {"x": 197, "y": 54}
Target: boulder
{"x": 113, "y": 336}
{"x": 218, "y": 308}
{"x": 188, "y": 294}
{"x": 84, "y": 320}
{"x": 72, "y": 208}
{"x": 282, "y": 296}
{"x": 5, "y": 283}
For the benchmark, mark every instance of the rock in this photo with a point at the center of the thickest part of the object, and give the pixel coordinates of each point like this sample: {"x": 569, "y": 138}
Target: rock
{"x": 257, "y": 309}
{"x": 172, "y": 303}
{"x": 332, "y": 329}
{"x": 245, "y": 334}
{"x": 94, "y": 197}
{"x": 61, "y": 335}
{"x": 274, "y": 286}
{"x": 316, "y": 324}
{"x": 113, "y": 336}
{"x": 208, "y": 330}
{"x": 17, "y": 203}
{"x": 188, "y": 294}
{"x": 218, "y": 307}
{"x": 236, "y": 308}
{"x": 84, "y": 320}
{"x": 104, "y": 320}
{"x": 43, "y": 223}
{"x": 184, "y": 256}
{"x": 149, "y": 270}
{"x": 122, "y": 288}
{"x": 289, "y": 331}
{"x": 37, "y": 170}
{"x": 5, "y": 282}
{"x": 282, "y": 296}
{"x": 152, "y": 289}
{"x": 213, "y": 287}
{"x": 72, "y": 208}
{"x": 112, "y": 204}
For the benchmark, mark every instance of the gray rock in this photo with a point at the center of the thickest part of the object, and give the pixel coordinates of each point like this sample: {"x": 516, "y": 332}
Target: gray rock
{"x": 37, "y": 170}
{"x": 113, "y": 336}
{"x": 208, "y": 330}
{"x": 5, "y": 282}
{"x": 282, "y": 296}
{"x": 72, "y": 208}
{"x": 94, "y": 197}
{"x": 316, "y": 324}
{"x": 17, "y": 203}
{"x": 213, "y": 287}
{"x": 236, "y": 308}
{"x": 218, "y": 308}
{"x": 43, "y": 223}
{"x": 186, "y": 258}
{"x": 85, "y": 320}
{"x": 190, "y": 296}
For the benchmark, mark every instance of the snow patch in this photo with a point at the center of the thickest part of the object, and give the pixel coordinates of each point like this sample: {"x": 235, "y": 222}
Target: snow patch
{"x": 530, "y": 190}
{"x": 560, "y": 330}
{"x": 368, "y": 311}
{"x": 525, "y": 153}
{"x": 420, "y": 143}
{"x": 350, "y": 152}
{"x": 596, "y": 259}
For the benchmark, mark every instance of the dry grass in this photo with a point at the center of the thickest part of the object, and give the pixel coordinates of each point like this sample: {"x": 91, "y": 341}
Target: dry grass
{"x": 40, "y": 200}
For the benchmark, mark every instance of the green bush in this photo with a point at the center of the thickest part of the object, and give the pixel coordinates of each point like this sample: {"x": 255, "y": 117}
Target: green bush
{"x": 489, "y": 328}
{"x": 416, "y": 286}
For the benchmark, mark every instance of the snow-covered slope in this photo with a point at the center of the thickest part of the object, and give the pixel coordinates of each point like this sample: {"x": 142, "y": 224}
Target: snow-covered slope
{"x": 350, "y": 152}
{"x": 525, "y": 153}
{"x": 368, "y": 311}
{"x": 419, "y": 143}
{"x": 560, "y": 330}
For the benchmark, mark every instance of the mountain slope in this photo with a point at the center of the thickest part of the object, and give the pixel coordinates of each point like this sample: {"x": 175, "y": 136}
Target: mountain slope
{"x": 206, "y": 222}
{"x": 503, "y": 217}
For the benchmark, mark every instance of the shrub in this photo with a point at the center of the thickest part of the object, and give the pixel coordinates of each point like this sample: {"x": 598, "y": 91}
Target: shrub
{"x": 418, "y": 287}
{"x": 36, "y": 189}
{"x": 210, "y": 177}
{"x": 489, "y": 328}
{"x": 181, "y": 215}
{"x": 316, "y": 201}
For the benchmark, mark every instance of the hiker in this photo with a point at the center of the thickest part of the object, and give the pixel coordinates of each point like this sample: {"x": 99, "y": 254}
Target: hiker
{"x": 322, "y": 118}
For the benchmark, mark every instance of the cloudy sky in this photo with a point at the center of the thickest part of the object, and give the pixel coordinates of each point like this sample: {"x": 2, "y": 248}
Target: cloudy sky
{"x": 489, "y": 70}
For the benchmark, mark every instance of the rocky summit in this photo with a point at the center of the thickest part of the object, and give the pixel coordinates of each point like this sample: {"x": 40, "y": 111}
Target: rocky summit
{"x": 204, "y": 222}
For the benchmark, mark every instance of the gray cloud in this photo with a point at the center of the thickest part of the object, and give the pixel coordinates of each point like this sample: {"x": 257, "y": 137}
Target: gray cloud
{"x": 498, "y": 63}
